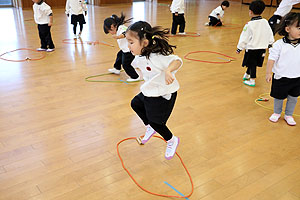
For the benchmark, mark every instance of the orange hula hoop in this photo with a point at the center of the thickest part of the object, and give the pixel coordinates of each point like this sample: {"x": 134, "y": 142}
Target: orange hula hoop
{"x": 156, "y": 194}
{"x": 213, "y": 52}
{"x": 43, "y": 55}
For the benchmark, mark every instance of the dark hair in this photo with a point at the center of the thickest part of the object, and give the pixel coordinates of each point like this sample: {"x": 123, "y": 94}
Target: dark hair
{"x": 225, "y": 3}
{"x": 157, "y": 37}
{"x": 114, "y": 20}
{"x": 257, "y": 7}
{"x": 288, "y": 20}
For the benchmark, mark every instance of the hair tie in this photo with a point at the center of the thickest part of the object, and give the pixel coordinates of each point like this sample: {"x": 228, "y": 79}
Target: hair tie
{"x": 153, "y": 37}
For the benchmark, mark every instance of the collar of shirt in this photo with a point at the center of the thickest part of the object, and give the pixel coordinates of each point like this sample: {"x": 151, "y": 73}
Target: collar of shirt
{"x": 295, "y": 42}
{"x": 256, "y": 18}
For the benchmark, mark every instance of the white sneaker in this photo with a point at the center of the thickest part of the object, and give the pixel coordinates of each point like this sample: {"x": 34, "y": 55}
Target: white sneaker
{"x": 50, "y": 50}
{"x": 246, "y": 77}
{"x": 149, "y": 133}
{"x": 133, "y": 79}
{"x": 41, "y": 49}
{"x": 290, "y": 120}
{"x": 274, "y": 117}
{"x": 114, "y": 71}
{"x": 184, "y": 33}
{"x": 79, "y": 35}
{"x": 206, "y": 24}
{"x": 172, "y": 145}
{"x": 249, "y": 83}
{"x": 75, "y": 36}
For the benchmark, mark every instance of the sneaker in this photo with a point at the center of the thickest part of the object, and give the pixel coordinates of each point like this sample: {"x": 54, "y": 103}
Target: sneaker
{"x": 206, "y": 24}
{"x": 183, "y": 33}
{"x": 246, "y": 77}
{"x": 149, "y": 133}
{"x": 50, "y": 50}
{"x": 249, "y": 83}
{"x": 41, "y": 49}
{"x": 114, "y": 71}
{"x": 133, "y": 79}
{"x": 79, "y": 35}
{"x": 274, "y": 117}
{"x": 172, "y": 145}
{"x": 75, "y": 36}
{"x": 289, "y": 120}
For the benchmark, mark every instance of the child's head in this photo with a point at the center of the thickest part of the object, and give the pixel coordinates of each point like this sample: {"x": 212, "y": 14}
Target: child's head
{"x": 112, "y": 23}
{"x": 290, "y": 26}
{"x": 225, "y": 4}
{"x": 256, "y": 7}
{"x": 143, "y": 39}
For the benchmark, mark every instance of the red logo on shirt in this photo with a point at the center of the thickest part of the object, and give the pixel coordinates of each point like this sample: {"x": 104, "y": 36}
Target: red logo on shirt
{"x": 148, "y": 68}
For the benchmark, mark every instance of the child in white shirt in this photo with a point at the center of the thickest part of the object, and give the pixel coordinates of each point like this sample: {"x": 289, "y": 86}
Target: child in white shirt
{"x": 115, "y": 26}
{"x": 216, "y": 15}
{"x": 177, "y": 9}
{"x": 158, "y": 94}
{"x": 284, "y": 62}
{"x": 284, "y": 7}
{"x": 76, "y": 8}
{"x": 44, "y": 18}
{"x": 255, "y": 38}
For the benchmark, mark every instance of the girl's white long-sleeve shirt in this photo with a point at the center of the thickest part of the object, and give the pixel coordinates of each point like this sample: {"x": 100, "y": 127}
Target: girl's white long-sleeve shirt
{"x": 285, "y": 7}
{"x": 287, "y": 58}
{"x": 42, "y": 12}
{"x": 75, "y": 7}
{"x": 153, "y": 70}
{"x": 256, "y": 34}
{"x": 177, "y": 6}
{"x": 217, "y": 12}
{"x": 123, "y": 43}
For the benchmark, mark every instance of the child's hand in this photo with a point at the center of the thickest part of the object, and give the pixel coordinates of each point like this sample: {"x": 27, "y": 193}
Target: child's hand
{"x": 268, "y": 78}
{"x": 238, "y": 51}
{"x": 49, "y": 24}
{"x": 169, "y": 77}
{"x": 115, "y": 37}
{"x": 176, "y": 14}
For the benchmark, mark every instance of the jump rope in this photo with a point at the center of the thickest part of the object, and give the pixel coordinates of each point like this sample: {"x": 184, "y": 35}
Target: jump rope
{"x": 141, "y": 187}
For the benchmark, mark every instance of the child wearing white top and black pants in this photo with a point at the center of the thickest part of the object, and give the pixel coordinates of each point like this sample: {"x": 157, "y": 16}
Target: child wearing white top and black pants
{"x": 158, "y": 94}
{"x": 284, "y": 62}
{"x": 114, "y": 25}
{"x": 284, "y": 7}
{"x": 44, "y": 18}
{"x": 216, "y": 15}
{"x": 255, "y": 38}
{"x": 177, "y": 9}
{"x": 76, "y": 8}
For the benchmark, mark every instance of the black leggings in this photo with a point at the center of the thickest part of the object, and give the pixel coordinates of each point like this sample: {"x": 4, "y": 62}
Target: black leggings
{"x": 214, "y": 21}
{"x": 252, "y": 71}
{"x": 155, "y": 111}
{"x": 75, "y": 26}
{"x": 125, "y": 59}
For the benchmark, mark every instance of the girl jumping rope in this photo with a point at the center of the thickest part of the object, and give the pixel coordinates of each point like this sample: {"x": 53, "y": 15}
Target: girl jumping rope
{"x": 115, "y": 26}
{"x": 284, "y": 60}
{"x": 158, "y": 94}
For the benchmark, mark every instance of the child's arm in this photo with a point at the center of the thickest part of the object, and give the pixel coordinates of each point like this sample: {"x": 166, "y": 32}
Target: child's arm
{"x": 174, "y": 65}
{"x": 67, "y": 8}
{"x": 84, "y": 8}
{"x": 244, "y": 39}
{"x": 270, "y": 65}
{"x": 118, "y": 36}
{"x": 51, "y": 19}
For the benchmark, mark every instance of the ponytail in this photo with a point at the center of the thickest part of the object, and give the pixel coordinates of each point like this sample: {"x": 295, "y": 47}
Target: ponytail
{"x": 114, "y": 20}
{"x": 157, "y": 37}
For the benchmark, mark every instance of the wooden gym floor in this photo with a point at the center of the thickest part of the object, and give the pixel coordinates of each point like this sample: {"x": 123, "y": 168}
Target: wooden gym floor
{"x": 59, "y": 133}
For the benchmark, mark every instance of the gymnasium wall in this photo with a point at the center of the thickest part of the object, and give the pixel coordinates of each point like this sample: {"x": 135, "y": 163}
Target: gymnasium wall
{"x": 27, "y": 4}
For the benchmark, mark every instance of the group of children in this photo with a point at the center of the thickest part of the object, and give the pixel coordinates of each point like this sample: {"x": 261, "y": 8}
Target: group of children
{"x": 147, "y": 48}
{"x": 43, "y": 17}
